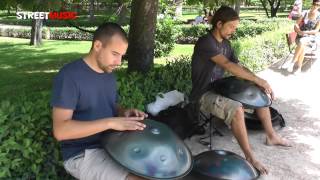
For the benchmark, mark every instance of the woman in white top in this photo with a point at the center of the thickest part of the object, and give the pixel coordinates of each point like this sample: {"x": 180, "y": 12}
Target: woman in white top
{"x": 308, "y": 34}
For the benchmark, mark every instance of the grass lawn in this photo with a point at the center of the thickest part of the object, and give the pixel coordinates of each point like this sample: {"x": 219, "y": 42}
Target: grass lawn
{"x": 26, "y": 69}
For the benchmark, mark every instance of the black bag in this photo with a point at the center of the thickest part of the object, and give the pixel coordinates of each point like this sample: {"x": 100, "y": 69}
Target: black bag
{"x": 253, "y": 123}
{"x": 182, "y": 120}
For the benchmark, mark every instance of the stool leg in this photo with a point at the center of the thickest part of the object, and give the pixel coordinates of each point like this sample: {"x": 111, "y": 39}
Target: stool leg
{"x": 211, "y": 134}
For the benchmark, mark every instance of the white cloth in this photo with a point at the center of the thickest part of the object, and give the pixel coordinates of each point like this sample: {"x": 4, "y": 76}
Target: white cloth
{"x": 170, "y": 98}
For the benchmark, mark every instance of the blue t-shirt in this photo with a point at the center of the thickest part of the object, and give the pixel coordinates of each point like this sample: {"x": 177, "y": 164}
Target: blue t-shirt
{"x": 90, "y": 94}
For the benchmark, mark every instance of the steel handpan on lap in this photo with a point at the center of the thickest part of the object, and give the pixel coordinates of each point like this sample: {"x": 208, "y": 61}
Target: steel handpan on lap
{"x": 221, "y": 165}
{"x": 154, "y": 153}
{"x": 244, "y": 91}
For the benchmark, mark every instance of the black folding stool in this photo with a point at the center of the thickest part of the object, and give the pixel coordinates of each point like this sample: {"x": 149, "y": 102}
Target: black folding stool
{"x": 204, "y": 121}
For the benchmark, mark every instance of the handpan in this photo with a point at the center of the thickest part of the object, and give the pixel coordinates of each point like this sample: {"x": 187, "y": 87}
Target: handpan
{"x": 244, "y": 91}
{"x": 154, "y": 153}
{"x": 221, "y": 165}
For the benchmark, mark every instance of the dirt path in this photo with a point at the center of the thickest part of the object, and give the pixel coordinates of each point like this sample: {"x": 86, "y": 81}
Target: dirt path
{"x": 298, "y": 99}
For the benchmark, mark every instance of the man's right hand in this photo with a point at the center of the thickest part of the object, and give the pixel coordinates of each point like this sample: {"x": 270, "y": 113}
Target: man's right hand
{"x": 266, "y": 87}
{"x": 301, "y": 33}
{"x": 126, "y": 123}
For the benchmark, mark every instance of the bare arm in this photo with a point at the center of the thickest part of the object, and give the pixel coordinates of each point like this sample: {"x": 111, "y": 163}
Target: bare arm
{"x": 242, "y": 72}
{"x": 297, "y": 27}
{"x": 64, "y": 127}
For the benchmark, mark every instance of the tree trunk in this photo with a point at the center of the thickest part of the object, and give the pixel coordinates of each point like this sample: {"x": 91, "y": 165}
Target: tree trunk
{"x": 91, "y": 10}
{"x": 274, "y": 8}
{"x": 264, "y": 7}
{"x": 36, "y": 32}
{"x": 237, "y": 6}
{"x": 142, "y": 34}
{"x": 97, "y": 6}
{"x": 178, "y": 11}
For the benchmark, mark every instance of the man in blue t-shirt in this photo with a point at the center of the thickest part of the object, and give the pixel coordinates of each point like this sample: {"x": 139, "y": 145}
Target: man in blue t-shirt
{"x": 213, "y": 55}
{"x": 84, "y": 105}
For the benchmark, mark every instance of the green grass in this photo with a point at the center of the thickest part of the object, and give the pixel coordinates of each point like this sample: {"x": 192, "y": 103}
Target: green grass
{"x": 179, "y": 50}
{"x": 27, "y": 69}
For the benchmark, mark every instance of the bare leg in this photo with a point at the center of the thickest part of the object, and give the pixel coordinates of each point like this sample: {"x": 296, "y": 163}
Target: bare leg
{"x": 298, "y": 56}
{"x": 240, "y": 132}
{"x": 272, "y": 137}
{"x": 297, "y": 53}
{"x": 299, "y": 62}
{"x": 134, "y": 177}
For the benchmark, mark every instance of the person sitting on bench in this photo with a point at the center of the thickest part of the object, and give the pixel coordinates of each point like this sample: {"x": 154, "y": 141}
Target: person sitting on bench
{"x": 308, "y": 34}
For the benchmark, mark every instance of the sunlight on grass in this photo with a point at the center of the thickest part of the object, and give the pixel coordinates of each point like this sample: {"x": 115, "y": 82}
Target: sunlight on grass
{"x": 179, "y": 50}
{"x": 26, "y": 68}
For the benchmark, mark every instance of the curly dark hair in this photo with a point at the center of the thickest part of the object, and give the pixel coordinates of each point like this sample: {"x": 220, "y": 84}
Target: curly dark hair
{"x": 224, "y": 14}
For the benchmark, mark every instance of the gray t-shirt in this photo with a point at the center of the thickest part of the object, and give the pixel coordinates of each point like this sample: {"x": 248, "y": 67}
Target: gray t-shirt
{"x": 204, "y": 70}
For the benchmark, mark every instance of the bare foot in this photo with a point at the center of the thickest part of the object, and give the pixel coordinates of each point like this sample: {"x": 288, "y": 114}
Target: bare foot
{"x": 263, "y": 170}
{"x": 277, "y": 141}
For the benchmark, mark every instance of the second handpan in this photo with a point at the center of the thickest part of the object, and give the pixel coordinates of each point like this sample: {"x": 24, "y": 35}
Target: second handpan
{"x": 246, "y": 92}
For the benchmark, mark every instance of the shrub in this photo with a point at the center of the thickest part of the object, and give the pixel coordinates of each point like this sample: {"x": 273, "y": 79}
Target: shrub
{"x": 137, "y": 89}
{"x": 68, "y": 33}
{"x": 259, "y": 52}
{"x": 189, "y": 34}
{"x": 164, "y": 37}
{"x": 27, "y": 149}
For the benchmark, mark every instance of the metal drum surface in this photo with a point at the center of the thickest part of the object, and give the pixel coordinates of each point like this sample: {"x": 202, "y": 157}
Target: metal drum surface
{"x": 221, "y": 165}
{"x": 246, "y": 92}
{"x": 154, "y": 153}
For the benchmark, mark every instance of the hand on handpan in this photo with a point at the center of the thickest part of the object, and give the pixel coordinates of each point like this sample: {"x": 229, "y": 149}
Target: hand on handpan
{"x": 127, "y": 123}
{"x": 134, "y": 113}
{"x": 266, "y": 87}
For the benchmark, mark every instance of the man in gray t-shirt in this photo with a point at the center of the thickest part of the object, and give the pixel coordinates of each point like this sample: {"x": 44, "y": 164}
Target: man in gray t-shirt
{"x": 212, "y": 56}
{"x": 205, "y": 72}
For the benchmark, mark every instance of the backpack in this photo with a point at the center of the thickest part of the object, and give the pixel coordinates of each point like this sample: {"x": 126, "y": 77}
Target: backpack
{"x": 253, "y": 123}
{"x": 181, "y": 120}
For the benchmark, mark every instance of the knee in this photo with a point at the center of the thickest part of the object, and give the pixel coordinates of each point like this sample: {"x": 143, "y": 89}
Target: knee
{"x": 301, "y": 45}
{"x": 239, "y": 114}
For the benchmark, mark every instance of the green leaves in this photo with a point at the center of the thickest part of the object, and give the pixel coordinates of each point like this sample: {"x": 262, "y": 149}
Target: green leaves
{"x": 27, "y": 150}
{"x": 137, "y": 89}
{"x": 165, "y": 37}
